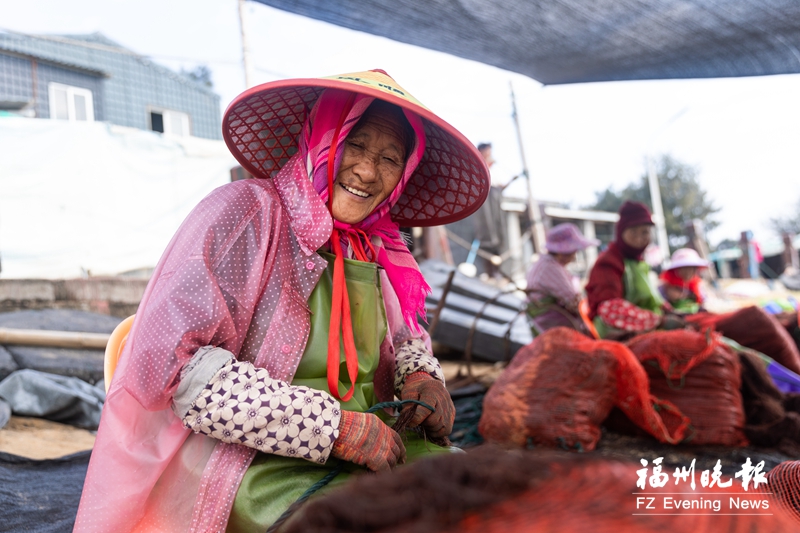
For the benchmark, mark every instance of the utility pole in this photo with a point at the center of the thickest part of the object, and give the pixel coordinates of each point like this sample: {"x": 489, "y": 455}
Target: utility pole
{"x": 246, "y": 62}
{"x": 537, "y": 231}
{"x": 658, "y": 210}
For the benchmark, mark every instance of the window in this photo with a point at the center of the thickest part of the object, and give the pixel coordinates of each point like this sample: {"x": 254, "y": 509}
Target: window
{"x": 70, "y": 103}
{"x": 169, "y": 122}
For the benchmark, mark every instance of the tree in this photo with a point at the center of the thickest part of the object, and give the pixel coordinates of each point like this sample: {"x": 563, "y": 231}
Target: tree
{"x": 789, "y": 225}
{"x": 201, "y": 74}
{"x": 681, "y": 197}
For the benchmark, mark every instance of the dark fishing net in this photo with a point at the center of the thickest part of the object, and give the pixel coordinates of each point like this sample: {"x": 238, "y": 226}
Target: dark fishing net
{"x": 755, "y": 328}
{"x": 491, "y": 489}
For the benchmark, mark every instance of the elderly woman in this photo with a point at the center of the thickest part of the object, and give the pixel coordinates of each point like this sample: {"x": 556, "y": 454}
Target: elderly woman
{"x": 283, "y": 309}
{"x": 554, "y": 293}
{"x": 622, "y": 300}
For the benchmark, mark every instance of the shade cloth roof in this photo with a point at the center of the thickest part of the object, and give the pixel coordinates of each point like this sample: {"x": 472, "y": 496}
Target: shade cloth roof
{"x": 571, "y": 41}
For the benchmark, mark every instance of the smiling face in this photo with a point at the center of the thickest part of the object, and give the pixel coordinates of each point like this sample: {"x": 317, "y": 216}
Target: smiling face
{"x": 372, "y": 165}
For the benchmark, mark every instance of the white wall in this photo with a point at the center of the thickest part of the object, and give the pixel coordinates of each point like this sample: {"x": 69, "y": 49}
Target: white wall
{"x": 91, "y": 197}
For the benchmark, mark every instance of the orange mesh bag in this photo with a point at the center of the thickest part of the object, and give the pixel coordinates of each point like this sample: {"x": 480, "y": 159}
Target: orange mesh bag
{"x": 558, "y": 390}
{"x": 701, "y": 376}
{"x": 784, "y": 483}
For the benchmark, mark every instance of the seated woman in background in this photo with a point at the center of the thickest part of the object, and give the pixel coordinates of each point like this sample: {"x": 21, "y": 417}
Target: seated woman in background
{"x": 554, "y": 293}
{"x": 681, "y": 282}
{"x": 623, "y": 302}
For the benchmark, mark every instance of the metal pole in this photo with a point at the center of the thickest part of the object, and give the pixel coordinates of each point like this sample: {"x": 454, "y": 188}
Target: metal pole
{"x": 658, "y": 210}
{"x": 61, "y": 339}
{"x": 533, "y": 206}
{"x": 246, "y": 63}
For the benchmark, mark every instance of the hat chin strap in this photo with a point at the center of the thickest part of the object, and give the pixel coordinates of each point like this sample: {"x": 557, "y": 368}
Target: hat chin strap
{"x": 340, "y": 306}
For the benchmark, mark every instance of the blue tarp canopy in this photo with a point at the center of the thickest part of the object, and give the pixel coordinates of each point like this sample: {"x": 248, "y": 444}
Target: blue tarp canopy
{"x": 572, "y": 41}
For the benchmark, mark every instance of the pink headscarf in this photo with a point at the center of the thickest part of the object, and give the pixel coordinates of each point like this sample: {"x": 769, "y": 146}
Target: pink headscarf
{"x": 393, "y": 255}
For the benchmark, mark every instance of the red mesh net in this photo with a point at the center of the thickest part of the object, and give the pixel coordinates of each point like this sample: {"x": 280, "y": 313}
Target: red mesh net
{"x": 449, "y": 184}
{"x": 784, "y": 483}
{"x": 700, "y": 376}
{"x": 755, "y": 328}
{"x": 559, "y": 389}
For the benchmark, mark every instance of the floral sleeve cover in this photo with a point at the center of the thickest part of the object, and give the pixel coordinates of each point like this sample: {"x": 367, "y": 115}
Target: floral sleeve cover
{"x": 243, "y": 405}
{"x": 412, "y": 356}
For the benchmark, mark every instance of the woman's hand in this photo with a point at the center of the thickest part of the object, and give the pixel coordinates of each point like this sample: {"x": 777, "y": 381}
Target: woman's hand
{"x": 365, "y": 440}
{"x": 671, "y": 321}
{"x": 421, "y": 386}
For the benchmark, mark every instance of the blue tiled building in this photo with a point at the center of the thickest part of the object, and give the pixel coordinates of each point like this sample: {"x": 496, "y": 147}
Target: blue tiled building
{"x": 90, "y": 77}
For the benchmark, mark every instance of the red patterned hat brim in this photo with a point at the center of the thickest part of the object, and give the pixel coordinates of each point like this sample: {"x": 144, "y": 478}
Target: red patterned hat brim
{"x": 262, "y": 125}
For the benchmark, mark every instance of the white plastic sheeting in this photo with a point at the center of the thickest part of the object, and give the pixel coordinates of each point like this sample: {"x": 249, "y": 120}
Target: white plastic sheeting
{"x": 81, "y": 198}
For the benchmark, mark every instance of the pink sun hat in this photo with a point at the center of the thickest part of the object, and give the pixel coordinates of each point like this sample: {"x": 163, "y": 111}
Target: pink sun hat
{"x": 686, "y": 257}
{"x": 262, "y": 125}
{"x": 566, "y": 239}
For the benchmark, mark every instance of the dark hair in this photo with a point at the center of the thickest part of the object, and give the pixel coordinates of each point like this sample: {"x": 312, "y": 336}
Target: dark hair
{"x": 483, "y": 146}
{"x": 382, "y": 107}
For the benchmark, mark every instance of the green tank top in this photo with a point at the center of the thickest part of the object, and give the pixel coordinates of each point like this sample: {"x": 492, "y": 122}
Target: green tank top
{"x": 638, "y": 291}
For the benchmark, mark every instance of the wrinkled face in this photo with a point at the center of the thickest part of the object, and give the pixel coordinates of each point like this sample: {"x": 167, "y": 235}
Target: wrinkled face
{"x": 372, "y": 165}
{"x": 686, "y": 273}
{"x": 638, "y": 236}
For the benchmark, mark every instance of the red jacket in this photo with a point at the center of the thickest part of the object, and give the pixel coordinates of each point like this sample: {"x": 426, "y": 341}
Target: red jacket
{"x": 605, "y": 279}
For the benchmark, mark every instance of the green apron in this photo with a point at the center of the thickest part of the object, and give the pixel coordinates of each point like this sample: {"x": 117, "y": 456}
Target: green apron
{"x": 273, "y": 482}
{"x": 638, "y": 291}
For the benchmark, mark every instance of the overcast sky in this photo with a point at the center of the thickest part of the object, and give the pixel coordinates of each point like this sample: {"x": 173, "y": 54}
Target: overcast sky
{"x": 742, "y": 134}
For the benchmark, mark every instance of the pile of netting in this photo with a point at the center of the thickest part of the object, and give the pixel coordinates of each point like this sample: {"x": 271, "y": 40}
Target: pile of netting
{"x": 772, "y": 416}
{"x": 784, "y": 483}
{"x": 489, "y": 489}
{"x": 700, "y": 375}
{"x": 558, "y": 390}
{"x": 755, "y": 328}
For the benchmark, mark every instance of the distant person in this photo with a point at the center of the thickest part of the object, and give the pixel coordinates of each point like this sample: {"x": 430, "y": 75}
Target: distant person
{"x": 553, "y": 293}
{"x": 622, "y": 300}
{"x": 486, "y": 151}
{"x": 681, "y": 284}
{"x": 489, "y": 220}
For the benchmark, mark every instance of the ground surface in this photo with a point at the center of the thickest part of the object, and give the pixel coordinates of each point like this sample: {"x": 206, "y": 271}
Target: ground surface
{"x": 36, "y": 438}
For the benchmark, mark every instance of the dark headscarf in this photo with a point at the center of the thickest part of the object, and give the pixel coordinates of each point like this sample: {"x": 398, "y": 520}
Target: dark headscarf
{"x": 631, "y": 214}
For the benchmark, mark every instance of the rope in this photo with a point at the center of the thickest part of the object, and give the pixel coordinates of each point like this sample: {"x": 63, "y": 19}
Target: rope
{"x": 338, "y": 468}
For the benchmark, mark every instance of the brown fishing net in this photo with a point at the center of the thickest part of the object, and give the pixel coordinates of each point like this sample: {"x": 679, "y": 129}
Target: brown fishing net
{"x": 558, "y": 390}
{"x": 489, "y": 489}
{"x": 755, "y": 328}
{"x": 700, "y": 376}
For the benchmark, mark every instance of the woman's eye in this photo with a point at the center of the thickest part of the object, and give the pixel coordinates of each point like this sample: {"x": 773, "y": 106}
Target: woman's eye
{"x": 390, "y": 161}
{"x": 355, "y": 145}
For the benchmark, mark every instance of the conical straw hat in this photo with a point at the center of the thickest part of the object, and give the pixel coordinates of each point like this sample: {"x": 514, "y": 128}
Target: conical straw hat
{"x": 262, "y": 125}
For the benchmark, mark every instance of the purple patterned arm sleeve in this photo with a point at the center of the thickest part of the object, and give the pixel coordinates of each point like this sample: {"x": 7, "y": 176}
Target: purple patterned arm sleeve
{"x": 413, "y": 356}
{"x": 241, "y": 404}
